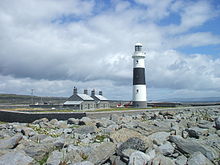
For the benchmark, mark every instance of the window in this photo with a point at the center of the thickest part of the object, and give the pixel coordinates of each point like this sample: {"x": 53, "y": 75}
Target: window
{"x": 137, "y": 90}
{"x": 138, "y": 48}
{"x": 136, "y": 61}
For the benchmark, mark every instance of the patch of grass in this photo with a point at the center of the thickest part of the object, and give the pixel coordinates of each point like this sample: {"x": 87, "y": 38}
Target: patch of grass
{"x": 100, "y": 138}
{"x": 84, "y": 156}
{"x": 2, "y": 122}
{"x": 45, "y": 131}
{"x": 44, "y": 159}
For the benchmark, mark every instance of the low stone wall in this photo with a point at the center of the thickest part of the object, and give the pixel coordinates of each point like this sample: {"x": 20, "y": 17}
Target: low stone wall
{"x": 28, "y": 117}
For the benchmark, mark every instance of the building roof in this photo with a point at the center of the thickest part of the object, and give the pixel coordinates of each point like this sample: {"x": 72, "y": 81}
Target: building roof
{"x": 72, "y": 102}
{"x": 101, "y": 98}
{"x": 85, "y": 97}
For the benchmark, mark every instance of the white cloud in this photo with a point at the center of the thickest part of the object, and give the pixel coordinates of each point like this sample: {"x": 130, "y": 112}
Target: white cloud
{"x": 39, "y": 50}
{"x": 194, "y": 40}
{"x": 172, "y": 70}
{"x": 192, "y": 14}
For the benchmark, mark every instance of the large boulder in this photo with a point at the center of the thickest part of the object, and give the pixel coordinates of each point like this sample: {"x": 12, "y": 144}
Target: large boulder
{"x": 132, "y": 143}
{"x": 196, "y": 132}
{"x": 124, "y": 134}
{"x": 16, "y": 158}
{"x": 198, "y": 158}
{"x": 159, "y": 138}
{"x": 86, "y": 129}
{"x": 161, "y": 160}
{"x": 101, "y": 153}
{"x": 44, "y": 120}
{"x": 217, "y": 123}
{"x": 55, "y": 158}
{"x": 73, "y": 121}
{"x": 166, "y": 149}
{"x": 189, "y": 146}
{"x": 86, "y": 121}
{"x": 139, "y": 158}
{"x": 181, "y": 160}
{"x": 83, "y": 163}
{"x": 74, "y": 156}
{"x": 38, "y": 151}
{"x": 10, "y": 143}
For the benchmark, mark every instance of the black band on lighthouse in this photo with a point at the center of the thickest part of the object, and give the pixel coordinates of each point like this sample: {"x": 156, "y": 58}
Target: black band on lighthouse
{"x": 139, "y": 76}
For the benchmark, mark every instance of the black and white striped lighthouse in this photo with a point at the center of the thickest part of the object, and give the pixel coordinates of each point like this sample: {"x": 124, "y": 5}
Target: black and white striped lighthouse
{"x": 139, "y": 83}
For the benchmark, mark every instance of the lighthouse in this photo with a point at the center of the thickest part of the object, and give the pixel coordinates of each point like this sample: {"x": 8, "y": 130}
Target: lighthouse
{"x": 139, "y": 83}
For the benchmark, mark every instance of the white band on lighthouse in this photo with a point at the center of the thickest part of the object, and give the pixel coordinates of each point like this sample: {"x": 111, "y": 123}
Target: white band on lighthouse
{"x": 139, "y": 84}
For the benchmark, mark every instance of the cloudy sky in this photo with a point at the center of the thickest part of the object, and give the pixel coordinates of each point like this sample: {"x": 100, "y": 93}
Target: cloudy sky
{"x": 52, "y": 45}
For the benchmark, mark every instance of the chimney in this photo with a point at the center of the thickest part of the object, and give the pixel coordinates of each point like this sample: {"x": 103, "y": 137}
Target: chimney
{"x": 86, "y": 91}
{"x": 93, "y": 92}
{"x": 75, "y": 91}
{"x": 100, "y": 92}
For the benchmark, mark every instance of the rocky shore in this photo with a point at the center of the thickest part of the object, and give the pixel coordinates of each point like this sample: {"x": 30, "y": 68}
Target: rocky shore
{"x": 180, "y": 137}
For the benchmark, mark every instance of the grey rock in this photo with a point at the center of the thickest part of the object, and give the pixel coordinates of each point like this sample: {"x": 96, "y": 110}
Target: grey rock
{"x": 67, "y": 131}
{"x": 132, "y": 143}
{"x": 116, "y": 160}
{"x": 217, "y": 123}
{"x": 205, "y": 124}
{"x": 192, "y": 133}
{"x": 101, "y": 153}
{"x": 38, "y": 137}
{"x": 139, "y": 158}
{"x": 159, "y": 138}
{"x": 38, "y": 151}
{"x": 85, "y": 121}
{"x": 16, "y": 158}
{"x": 4, "y": 151}
{"x": 83, "y": 163}
{"x": 127, "y": 152}
{"x": 195, "y": 132}
{"x": 115, "y": 118}
{"x": 28, "y": 131}
{"x": 62, "y": 124}
{"x": 85, "y": 129}
{"x": 74, "y": 156}
{"x": 189, "y": 146}
{"x": 73, "y": 121}
{"x": 104, "y": 123}
{"x": 161, "y": 160}
{"x": 181, "y": 160}
{"x": 54, "y": 158}
{"x": 10, "y": 143}
{"x": 218, "y": 132}
{"x": 185, "y": 134}
{"x": 54, "y": 121}
{"x": 198, "y": 158}
{"x": 166, "y": 149}
{"x": 44, "y": 120}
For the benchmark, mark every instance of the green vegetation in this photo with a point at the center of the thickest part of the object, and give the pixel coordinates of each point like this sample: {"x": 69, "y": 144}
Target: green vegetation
{"x": 100, "y": 138}
{"x": 45, "y": 131}
{"x": 84, "y": 156}
{"x": 44, "y": 159}
{"x": 2, "y": 122}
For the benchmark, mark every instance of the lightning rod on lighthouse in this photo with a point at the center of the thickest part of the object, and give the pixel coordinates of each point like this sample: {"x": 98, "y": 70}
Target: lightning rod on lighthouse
{"x": 139, "y": 83}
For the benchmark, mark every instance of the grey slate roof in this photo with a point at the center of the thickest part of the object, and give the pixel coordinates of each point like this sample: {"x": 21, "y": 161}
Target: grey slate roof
{"x": 85, "y": 97}
{"x": 72, "y": 102}
{"x": 101, "y": 98}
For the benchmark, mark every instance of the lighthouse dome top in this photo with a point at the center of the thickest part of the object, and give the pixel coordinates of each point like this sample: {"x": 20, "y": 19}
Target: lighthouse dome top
{"x": 138, "y": 44}
{"x": 138, "y": 47}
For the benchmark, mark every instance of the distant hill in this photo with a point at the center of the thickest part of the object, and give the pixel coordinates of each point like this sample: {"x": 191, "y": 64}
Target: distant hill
{"x": 191, "y": 100}
{"x": 28, "y": 99}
